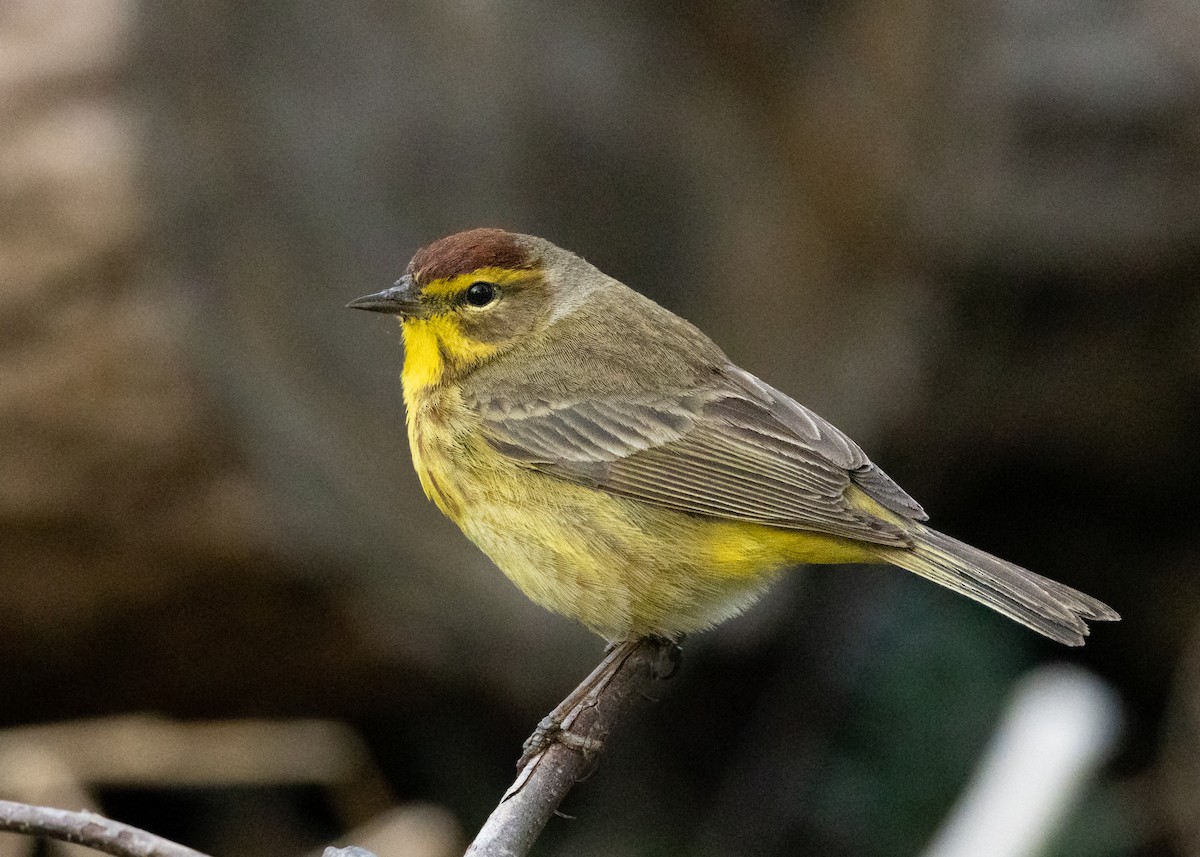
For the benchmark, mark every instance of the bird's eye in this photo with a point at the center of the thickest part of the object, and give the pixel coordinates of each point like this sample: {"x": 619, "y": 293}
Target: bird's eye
{"x": 481, "y": 293}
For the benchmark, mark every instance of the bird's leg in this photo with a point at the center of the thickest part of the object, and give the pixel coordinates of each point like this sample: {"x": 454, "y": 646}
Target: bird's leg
{"x": 555, "y": 727}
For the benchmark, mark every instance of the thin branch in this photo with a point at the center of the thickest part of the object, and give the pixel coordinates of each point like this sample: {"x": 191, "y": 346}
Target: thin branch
{"x": 562, "y": 750}
{"x": 567, "y": 743}
{"x": 88, "y": 829}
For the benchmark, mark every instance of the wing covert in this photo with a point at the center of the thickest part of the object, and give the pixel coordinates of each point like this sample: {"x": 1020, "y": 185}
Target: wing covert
{"x": 737, "y": 450}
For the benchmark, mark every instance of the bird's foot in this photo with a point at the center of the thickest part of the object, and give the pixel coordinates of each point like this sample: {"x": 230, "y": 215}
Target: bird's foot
{"x": 555, "y": 727}
{"x": 670, "y": 657}
{"x": 549, "y": 732}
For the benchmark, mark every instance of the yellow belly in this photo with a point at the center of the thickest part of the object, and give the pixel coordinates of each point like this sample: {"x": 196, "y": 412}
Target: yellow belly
{"x": 627, "y": 569}
{"x": 621, "y": 567}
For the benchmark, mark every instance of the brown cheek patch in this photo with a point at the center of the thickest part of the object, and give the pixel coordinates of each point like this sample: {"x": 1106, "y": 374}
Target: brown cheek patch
{"x": 521, "y": 309}
{"x": 469, "y": 251}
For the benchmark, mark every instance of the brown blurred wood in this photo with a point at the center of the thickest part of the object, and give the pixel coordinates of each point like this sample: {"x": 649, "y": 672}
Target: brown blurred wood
{"x": 406, "y": 830}
{"x": 143, "y": 750}
{"x": 88, "y": 828}
{"x": 564, "y": 748}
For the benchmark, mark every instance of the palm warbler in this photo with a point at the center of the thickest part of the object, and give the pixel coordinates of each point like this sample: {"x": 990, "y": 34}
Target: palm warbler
{"x": 621, "y": 470}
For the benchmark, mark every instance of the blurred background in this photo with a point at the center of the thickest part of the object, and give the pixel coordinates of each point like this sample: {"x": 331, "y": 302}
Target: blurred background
{"x": 966, "y": 233}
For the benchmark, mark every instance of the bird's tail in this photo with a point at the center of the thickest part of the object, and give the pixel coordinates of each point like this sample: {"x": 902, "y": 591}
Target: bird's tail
{"x": 1044, "y": 605}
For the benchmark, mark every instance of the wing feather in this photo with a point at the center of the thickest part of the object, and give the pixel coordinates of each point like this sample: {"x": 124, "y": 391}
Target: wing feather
{"x": 738, "y": 449}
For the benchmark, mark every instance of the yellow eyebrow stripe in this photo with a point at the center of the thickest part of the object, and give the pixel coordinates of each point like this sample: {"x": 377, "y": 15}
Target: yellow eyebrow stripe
{"x": 451, "y": 286}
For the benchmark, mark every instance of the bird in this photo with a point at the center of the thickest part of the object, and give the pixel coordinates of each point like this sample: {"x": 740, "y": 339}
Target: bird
{"x": 621, "y": 470}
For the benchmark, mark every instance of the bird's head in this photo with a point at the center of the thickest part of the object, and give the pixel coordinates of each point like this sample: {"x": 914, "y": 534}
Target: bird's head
{"x": 470, "y": 296}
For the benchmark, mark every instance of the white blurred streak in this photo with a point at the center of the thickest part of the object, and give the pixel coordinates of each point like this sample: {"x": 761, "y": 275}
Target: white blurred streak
{"x": 1059, "y": 728}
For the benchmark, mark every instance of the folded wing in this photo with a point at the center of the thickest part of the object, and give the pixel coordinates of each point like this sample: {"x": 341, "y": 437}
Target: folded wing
{"x": 737, "y": 449}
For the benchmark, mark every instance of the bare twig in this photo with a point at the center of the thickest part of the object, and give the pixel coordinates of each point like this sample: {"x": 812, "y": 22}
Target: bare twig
{"x": 88, "y": 828}
{"x": 562, "y": 750}
{"x": 567, "y": 743}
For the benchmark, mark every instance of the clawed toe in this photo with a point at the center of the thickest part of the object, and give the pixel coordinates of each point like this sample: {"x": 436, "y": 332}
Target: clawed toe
{"x": 549, "y": 732}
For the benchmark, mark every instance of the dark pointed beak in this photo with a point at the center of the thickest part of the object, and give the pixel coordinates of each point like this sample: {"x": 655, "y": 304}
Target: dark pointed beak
{"x": 400, "y": 299}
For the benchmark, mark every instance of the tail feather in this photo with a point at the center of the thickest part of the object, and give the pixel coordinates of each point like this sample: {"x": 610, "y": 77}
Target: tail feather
{"x": 1046, "y": 606}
